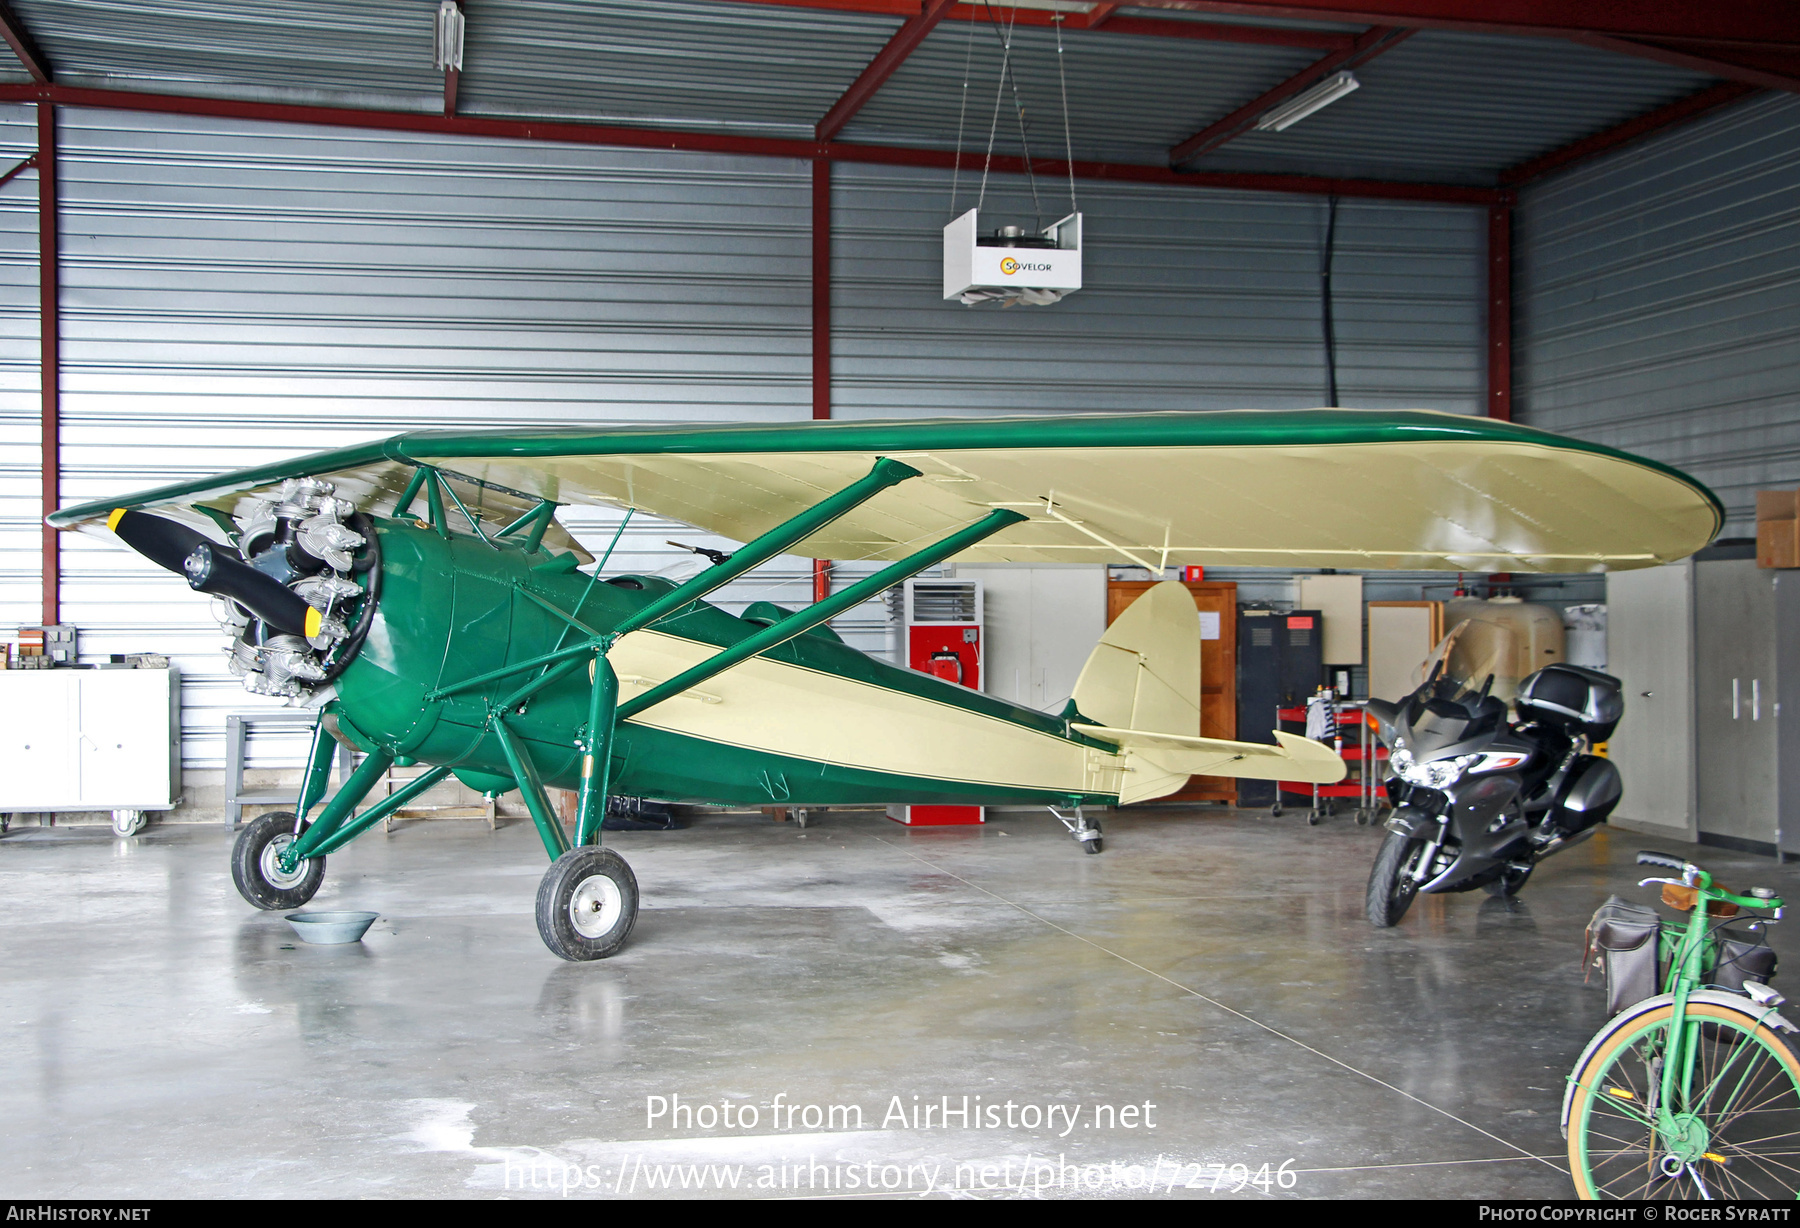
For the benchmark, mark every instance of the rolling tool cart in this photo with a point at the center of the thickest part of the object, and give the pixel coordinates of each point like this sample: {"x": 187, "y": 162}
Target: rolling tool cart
{"x": 1350, "y": 733}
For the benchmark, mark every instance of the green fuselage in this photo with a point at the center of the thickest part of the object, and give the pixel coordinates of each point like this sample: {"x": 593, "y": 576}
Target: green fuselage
{"x": 453, "y": 608}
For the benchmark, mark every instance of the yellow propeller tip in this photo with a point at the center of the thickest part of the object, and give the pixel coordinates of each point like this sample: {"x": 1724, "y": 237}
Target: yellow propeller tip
{"x": 314, "y": 620}
{"x": 112, "y": 521}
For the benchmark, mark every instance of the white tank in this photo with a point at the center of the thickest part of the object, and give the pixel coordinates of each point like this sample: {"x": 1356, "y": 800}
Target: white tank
{"x": 1507, "y": 636}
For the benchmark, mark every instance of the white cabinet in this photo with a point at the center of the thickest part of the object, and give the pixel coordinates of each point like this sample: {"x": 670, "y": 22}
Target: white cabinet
{"x": 89, "y": 739}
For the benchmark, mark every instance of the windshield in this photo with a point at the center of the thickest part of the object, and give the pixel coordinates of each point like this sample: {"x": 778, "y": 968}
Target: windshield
{"x": 1454, "y": 701}
{"x": 1469, "y": 661}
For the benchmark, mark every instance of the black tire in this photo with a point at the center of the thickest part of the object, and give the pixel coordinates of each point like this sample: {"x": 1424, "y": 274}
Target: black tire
{"x": 1312, "y": 818}
{"x": 1390, "y": 891}
{"x": 1509, "y": 882}
{"x": 587, "y": 904}
{"x": 257, "y": 876}
{"x": 1092, "y": 846}
{"x": 1275, "y": 811}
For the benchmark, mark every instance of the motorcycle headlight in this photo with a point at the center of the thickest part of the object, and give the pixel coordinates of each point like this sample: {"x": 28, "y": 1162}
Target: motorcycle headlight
{"x": 1439, "y": 774}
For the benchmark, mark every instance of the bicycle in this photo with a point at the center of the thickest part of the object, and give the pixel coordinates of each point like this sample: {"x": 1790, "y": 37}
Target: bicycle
{"x": 1694, "y": 1092}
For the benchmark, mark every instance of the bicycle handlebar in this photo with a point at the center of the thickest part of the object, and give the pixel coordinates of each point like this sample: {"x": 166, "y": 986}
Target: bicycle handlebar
{"x": 1647, "y": 858}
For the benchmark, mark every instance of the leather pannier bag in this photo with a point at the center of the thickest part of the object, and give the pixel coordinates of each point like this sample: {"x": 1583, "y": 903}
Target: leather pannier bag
{"x": 1622, "y": 942}
{"x": 1741, "y": 960}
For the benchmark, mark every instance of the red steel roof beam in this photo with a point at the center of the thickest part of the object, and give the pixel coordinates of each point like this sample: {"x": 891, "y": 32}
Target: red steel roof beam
{"x": 1367, "y": 46}
{"x": 1095, "y": 17}
{"x": 1769, "y": 68}
{"x": 562, "y": 132}
{"x": 1153, "y": 27}
{"x": 1746, "y": 23}
{"x": 1214, "y": 32}
{"x": 24, "y": 46}
{"x": 1755, "y": 41}
{"x": 1679, "y": 112}
{"x": 906, "y": 39}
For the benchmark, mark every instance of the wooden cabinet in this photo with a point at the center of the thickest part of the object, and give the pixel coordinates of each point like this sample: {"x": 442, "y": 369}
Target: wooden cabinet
{"x": 1215, "y": 604}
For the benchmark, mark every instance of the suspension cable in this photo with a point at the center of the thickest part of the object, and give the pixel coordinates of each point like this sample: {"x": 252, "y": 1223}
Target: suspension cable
{"x": 1019, "y": 109}
{"x": 962, "y": 110}
{"x": 1068, "y": 141}
{"x": 994, "y": 120}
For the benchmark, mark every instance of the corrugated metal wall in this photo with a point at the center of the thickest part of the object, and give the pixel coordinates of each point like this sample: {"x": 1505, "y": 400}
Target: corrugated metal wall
{"x": 20, "y": 536}
{"x": 1195, "y": 300}
{"x": 238, "y": 292}
{"x": 1658, "y": 301}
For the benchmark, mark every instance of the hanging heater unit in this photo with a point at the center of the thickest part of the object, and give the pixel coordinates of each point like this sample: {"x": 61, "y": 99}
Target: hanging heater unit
{"x": 1011, "y": 265}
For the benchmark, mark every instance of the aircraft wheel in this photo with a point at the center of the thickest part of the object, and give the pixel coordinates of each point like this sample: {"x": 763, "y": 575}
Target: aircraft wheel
{"x": 256, "y": 865}
{"x": 587, "y": 903}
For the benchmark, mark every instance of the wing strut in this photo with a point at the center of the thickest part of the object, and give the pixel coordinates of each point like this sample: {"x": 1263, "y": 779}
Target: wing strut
{"x": 785, "y": 630}
{"x": 776, "y": 541}
{"x": 605, "y": 711}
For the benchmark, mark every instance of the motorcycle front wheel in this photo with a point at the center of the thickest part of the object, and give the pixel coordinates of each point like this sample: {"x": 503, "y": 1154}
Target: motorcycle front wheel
{"x": 1733, "y": 1137}
{"x": 1391, "y": 888}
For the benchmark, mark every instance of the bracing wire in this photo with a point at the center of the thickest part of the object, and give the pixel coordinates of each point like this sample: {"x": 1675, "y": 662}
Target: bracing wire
{"x": 961, "y": 111}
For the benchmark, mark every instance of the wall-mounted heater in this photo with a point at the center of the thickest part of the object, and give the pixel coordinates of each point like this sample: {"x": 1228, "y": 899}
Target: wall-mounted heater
{"x": 1010, "y": 264}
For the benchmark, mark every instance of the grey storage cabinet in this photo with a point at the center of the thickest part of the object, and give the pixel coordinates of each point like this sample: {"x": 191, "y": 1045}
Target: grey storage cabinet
{"x": 1746, "y": 703}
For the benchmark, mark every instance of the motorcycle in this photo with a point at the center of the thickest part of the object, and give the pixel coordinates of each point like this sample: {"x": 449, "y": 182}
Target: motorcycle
{"x": 1480, "y": 799}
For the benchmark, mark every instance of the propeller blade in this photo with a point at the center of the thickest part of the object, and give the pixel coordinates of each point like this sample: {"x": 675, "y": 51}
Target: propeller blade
{"x": 167, "y": 543}
{"x": 210, "y": 570}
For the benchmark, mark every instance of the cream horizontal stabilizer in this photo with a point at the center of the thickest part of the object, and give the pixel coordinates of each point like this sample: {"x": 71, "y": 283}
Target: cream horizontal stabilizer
{"x": 1294, "y": 758}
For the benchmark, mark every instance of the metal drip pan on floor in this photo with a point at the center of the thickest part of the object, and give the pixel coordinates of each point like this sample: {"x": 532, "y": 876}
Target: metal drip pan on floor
{"x": 331, "y": 928}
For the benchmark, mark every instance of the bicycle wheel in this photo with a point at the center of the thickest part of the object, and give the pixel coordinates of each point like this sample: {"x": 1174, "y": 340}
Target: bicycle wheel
{"x": 1737, "y": 1136}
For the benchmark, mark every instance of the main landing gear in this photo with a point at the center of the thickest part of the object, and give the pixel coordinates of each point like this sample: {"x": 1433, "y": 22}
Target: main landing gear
{"x": 256, "y": 864}
{"x": 587, "y": 903}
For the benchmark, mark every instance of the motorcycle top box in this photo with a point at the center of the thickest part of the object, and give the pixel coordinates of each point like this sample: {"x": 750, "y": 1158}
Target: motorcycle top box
{"x": 1479, "y": 798}
{"x": 1583, "y": 700}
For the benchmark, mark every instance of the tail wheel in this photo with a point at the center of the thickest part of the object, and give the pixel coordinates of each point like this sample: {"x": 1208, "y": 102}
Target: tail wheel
{"x": 587, "y": 903}
{"x": 256, "y": 865}
{"x": 1391, "y": 885}
{"x": 1731, "y": 1138}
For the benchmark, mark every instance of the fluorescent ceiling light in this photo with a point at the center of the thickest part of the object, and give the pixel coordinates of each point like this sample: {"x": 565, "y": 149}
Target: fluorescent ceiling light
{"x": 1320, "y": 96}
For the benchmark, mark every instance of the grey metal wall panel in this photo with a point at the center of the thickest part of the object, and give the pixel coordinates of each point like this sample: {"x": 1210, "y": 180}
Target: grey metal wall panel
{"x": 20, "y": 537}
{"x": 235, "y": 293}
{"x": 1194, "y": 300}
{"x": 1658, "y": 301}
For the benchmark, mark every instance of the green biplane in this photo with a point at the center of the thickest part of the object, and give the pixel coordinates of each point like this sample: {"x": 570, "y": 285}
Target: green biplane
{"x": 419, "y": 594}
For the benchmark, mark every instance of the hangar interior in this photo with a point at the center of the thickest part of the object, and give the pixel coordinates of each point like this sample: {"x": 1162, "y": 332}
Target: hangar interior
{"x": 235, "y": 234}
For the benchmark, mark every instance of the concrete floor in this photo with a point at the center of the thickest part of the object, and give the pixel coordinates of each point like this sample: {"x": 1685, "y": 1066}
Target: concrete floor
{"x": 168, "y": 1041}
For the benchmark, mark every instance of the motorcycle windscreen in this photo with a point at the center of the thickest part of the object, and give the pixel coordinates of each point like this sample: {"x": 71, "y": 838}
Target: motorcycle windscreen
{"x": 1452, "y": 704}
